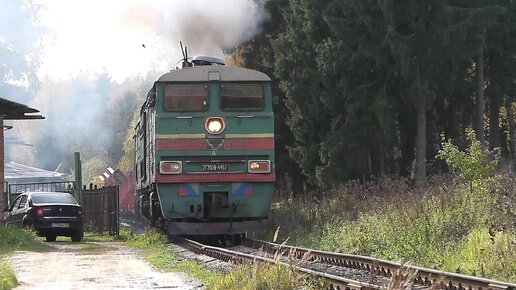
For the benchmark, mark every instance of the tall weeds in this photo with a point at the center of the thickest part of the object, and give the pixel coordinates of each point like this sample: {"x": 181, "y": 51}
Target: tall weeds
{"x": 449, "y": 227}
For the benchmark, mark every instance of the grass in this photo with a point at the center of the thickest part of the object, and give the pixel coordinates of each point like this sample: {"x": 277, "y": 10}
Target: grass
{"x": 247, "y": 276}
{"x": 7, "y": 277}
{"x": 124, "y": 235}
{"x": 158, "y": 254}
{"x": 261, "y": 276}
{"x": 13, "y": 239}
{"x": 256, "y": 275}
{"x": 448, "y": 227}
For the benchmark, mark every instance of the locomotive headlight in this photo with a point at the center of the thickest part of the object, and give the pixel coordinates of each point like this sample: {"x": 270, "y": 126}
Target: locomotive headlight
{"x": 214, "y": 125}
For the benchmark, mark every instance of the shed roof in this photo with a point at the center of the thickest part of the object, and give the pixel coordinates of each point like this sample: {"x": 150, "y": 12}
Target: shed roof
{"x": 16, "y": 111}
{"x": 19, "y": 173}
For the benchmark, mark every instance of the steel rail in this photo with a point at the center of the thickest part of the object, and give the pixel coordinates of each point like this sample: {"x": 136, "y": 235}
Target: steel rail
{"x": 424, "y": 276}
{"x": 335, "y": 282}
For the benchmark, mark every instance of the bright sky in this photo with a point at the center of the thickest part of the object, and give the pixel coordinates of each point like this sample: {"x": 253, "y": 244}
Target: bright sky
{"x": 92, "y": 36}
{"x": 98, "y": 35}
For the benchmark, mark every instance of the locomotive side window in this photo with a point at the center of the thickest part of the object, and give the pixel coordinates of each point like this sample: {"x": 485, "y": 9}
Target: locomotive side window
{"x": 241, "y": 97}
{"x": 186, "y": 97}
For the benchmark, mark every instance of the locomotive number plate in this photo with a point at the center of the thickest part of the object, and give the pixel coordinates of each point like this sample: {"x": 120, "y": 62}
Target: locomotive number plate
{"x": 214, "y": 167}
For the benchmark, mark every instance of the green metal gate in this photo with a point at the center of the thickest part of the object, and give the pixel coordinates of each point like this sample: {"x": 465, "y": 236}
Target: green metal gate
{"x": 13, "y": 190}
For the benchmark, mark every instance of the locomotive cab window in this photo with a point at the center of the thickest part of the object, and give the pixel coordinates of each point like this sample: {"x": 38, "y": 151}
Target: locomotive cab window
{"x": 241, "y": 97}
{"x": 185, "y": 97}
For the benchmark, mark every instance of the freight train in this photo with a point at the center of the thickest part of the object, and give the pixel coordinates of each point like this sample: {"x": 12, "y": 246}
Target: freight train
{"x": 204, "y": 150}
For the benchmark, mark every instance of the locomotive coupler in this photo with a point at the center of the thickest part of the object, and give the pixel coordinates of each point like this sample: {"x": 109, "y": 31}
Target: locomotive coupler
{"x": 233, "y": 210}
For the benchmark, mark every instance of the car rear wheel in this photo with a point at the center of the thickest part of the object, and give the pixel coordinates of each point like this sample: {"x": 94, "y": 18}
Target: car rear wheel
{"x": 51, "y": 238}
{"x": 77, "y": 237}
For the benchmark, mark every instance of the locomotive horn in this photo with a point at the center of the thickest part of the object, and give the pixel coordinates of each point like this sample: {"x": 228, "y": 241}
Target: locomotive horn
{"x": 185, "y": 56}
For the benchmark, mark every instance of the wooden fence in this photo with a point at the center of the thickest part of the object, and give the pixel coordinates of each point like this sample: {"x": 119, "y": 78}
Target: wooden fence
{"x": 101, "y": 210}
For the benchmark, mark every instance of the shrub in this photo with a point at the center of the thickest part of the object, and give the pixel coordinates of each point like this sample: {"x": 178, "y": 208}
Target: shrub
{"x": 7, "y": 277}
{"x": 473, "y": 163}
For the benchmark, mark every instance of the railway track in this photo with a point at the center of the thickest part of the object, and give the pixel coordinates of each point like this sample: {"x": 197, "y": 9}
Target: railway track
{"x": 342, "y": 271}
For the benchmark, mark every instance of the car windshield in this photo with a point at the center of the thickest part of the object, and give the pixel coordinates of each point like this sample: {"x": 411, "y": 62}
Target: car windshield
{"x": 53, "y": 198}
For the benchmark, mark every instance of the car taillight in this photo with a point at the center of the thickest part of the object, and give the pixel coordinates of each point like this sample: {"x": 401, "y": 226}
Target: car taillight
{"x": 259, "y": 166}
{"x": 170, "y": 167}
{"x": 39, "y": 211}
{"x": 79, "y": 212}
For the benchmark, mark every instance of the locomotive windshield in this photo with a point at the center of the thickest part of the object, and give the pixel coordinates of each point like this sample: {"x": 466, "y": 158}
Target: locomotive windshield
{"x": 185, "y": 97}
{"x": 241, "y": 97}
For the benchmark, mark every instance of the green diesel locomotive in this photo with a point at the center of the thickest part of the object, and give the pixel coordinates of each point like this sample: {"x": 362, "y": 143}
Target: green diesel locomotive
{"x": 205, "y": 150}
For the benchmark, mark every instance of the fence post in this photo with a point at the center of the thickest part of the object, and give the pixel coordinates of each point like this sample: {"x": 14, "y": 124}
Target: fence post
{"x": 78, "y": 176}
{"x": 5, "y": 195}
{"x": 117, "y": 210}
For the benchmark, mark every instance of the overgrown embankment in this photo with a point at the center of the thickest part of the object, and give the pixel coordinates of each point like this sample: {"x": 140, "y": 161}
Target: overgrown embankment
{"x": 464, "y": 222}
{"x": 448, "y": 227}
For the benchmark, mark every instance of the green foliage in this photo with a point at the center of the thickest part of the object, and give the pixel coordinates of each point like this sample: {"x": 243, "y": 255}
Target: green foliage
{"x": 425, "y": 232}
{"x": 446, "y": 228}
{"x": 147, "y": 239}
{"x": 474, "y": 255}
{"x": 376, "y": 67}
{"x": 126, "y": 163}
{"x": 12, "y": 238}
{"x": 7, "y": 276}
{"x": 91, "y": 169}
{"x": 339, "y": 111}
{"x": 294, "y": 50}
{"x": 473, "y": 163}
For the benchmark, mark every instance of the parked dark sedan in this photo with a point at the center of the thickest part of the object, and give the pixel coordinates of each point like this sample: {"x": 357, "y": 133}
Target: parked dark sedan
{"x": 50, "y": 214}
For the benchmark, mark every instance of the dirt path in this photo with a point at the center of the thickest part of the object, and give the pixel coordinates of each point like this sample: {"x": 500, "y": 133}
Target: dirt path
{"x": 92, "y": 266}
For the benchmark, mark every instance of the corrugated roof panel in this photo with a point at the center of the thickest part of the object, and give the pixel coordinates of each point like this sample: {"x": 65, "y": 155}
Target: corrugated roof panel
{"x": 17, "y": 172}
